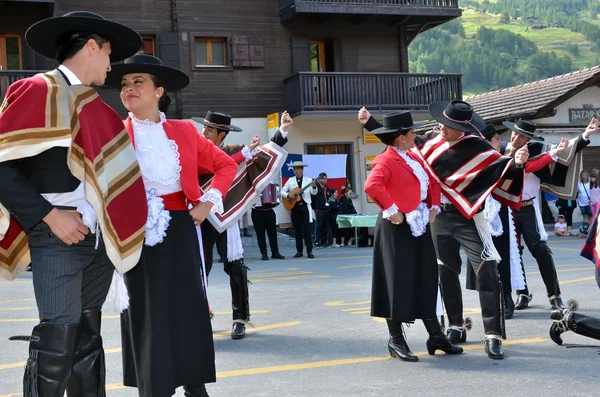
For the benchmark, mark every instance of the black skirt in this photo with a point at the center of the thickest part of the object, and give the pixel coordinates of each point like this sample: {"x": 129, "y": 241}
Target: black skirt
{"x": 405, "y": 273}
{"x": 166, "y": 331}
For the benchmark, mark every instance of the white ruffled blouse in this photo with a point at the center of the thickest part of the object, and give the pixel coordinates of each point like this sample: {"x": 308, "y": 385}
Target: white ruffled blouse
{"x": 158, "y": 157}
{"x": 418, "y": 218}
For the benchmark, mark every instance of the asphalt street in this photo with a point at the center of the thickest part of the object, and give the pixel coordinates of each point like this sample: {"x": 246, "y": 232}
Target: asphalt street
{"x": 313, "y": 336}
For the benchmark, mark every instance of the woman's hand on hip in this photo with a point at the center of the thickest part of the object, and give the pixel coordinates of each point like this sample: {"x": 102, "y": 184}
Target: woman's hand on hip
{"x": 200, "y": 211}
{"x": 397, "y": 218}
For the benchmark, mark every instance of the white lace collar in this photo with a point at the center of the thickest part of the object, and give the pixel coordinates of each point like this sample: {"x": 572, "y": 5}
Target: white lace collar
{"x": 135, "y": 120}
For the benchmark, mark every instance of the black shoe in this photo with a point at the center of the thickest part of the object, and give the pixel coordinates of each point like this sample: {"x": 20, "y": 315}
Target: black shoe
{"x": 557, "y": 303}
{"x": 298, "y": 255}
{"x": 265, "y": 257}
{"x": 523, "y": 301}
{"x": 456, "y": 336}
{"x": 399, "y": 349}
{"x": 509, "y": 306}
{"x": 493, "y": 347}
{"x": 195, "y": 391}
{"x": 439, "y": 341}
{"x": 310, "y": 255}
{"x": 238, "y": 331}
{"x": 29, "y": 269}
{"x": 562, "y": 321}
{"x": 277, "y": 256}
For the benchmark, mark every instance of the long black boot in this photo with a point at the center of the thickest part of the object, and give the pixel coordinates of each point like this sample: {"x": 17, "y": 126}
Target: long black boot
{"x": 509, "y": 304}
{"x": 491, "y": 313}
{"x": 397, "y": 344}
{"x": 238, "y": 281}
{"x": 51, "y": 355}
{"x": 567, "y": 320}
{"x": 195, "y": 391}
{"x": 89, "y": 372}
{"x": 437, "y": 340}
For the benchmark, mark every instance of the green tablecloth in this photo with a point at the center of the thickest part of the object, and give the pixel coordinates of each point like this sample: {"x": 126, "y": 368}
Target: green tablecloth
{"x": 367, "y": 220}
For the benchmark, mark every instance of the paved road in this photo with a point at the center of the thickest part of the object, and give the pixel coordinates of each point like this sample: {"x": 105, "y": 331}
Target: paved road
{"x": 314, "y": 336}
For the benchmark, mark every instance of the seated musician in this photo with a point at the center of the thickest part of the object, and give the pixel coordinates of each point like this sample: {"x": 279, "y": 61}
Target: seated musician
{"x": 302, "y": 214}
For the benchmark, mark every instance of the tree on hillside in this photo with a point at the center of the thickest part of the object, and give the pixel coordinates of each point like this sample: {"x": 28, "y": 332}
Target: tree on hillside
{"x": 573, "y": 49}
{"x": 505, "y": 18}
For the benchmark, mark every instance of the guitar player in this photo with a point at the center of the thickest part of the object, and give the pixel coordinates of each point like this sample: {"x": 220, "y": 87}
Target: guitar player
{"x": 302, "y": 214}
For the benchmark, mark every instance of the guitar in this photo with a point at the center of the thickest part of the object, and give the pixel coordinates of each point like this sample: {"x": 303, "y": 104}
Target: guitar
{"x": 290, "y": 204}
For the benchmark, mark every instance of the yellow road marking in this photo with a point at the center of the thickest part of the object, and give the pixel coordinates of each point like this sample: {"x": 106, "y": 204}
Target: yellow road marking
{"x": 566, "y": 249}
{"x": 349, "y": 361}
{"x": 215, "y": 335}
{"x": 353, "y": 309}
{"x": 16, "y": 282}
{"x": 275, "y": 269}
{"x": 352, "y": 285}
{"x": 342, "y": 303}
{"x": 18, "y": 300}
{"x": 288, "y": 278}
{"x": 16, "y": 309}
{"x": 287, "y": 289}
{"x": 322, "y": 364}
{"x": 279, "y": 274}
{"x": 355, "y": 266}
{"x": 256, "y": 329}
{"x": 578, "y": 280}
{"x": 25, "y": 320}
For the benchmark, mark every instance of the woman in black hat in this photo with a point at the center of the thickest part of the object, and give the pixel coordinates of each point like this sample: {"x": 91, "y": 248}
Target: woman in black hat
{"x": 166, "y": 331}
{"x": 405, "y": 273}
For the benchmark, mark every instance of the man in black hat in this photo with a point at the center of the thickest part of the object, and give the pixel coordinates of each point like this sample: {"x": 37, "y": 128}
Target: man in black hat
{"x": 252, "y": 180}
{"x": 54, "y": 192}
{"x": 560, "y": 180}
{"x": 468, "y": 170}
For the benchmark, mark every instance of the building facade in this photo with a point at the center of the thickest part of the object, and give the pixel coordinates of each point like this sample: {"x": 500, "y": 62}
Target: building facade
{"x": 319, "y": 59}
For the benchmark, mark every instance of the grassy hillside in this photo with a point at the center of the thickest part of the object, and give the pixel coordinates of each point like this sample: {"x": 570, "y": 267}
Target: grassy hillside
{"x": 519, "y": 52}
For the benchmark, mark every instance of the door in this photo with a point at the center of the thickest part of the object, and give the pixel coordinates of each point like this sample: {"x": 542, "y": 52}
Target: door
{"x": 322, "y": 60}
{"x": 10, "y": 52}
{"x": 10, "y": 59}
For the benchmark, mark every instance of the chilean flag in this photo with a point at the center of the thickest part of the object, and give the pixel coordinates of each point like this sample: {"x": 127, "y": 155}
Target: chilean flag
{"x": 334, "y": 165}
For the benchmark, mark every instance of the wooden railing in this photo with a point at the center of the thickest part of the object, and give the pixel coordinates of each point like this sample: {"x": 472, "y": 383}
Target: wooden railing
{"x": 308, "y": 92}
{"x": 283, "y": 4}
{"x": 7, "y": 77}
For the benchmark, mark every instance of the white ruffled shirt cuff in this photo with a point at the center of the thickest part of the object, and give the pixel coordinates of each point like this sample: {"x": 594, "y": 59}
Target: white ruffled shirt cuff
{"x": 435, "y": 208}
{"x": 390, "y": 211}
{"x": 284, "y": 133}
{"x": 246, "y": 153}
{"x": 216, "y": 197}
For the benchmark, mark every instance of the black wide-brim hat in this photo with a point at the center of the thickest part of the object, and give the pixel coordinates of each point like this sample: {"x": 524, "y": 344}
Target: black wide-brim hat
{"x": 489, "y": 131}
{"x": 458, "y": 115}
{"x": 47, "y": 36}
{"x": 397, "y": 122}
{"x": 523, "y": 127}
{"x": 220, "y": 121}
{"x": 173, "y": 79}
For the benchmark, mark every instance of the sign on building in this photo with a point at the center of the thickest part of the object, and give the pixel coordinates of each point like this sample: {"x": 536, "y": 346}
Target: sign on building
{"x": 582, "y": 116}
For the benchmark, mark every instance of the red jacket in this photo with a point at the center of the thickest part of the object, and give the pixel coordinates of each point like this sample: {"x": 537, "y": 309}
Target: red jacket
{"x": 196, "y": 153}
{"x": 392, "y": 181}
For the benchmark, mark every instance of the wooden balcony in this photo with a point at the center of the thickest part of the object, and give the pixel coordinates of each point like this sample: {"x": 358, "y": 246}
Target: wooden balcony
{"x": 7, "y": 77}
{"x": 386, "y": 8}
{"x": 322, "y": 93}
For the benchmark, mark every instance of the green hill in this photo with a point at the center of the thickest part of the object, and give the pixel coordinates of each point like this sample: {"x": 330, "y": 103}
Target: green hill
{"x": 509, "y": 42}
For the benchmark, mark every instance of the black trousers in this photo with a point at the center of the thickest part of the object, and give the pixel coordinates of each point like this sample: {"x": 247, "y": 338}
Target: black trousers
{"x": 301, "y": 221}
{"x": 236, "y": 270}
{"x": 450, "y": 231}
{"x": 526, "y": 224}
{"x": 265, "y": 221}
{"x": 322, "y": 218}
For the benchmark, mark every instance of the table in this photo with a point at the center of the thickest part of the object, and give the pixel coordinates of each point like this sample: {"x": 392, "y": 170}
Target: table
{"x": 356, "y": 221}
